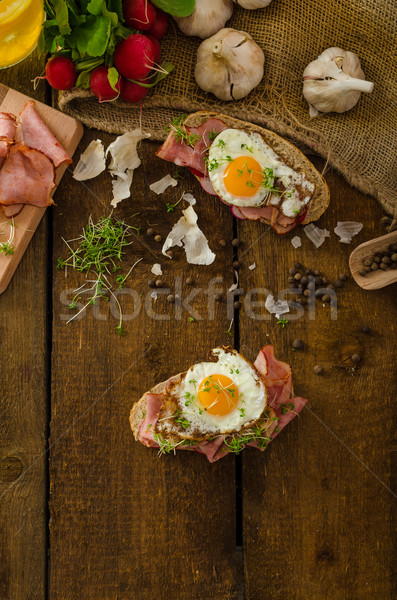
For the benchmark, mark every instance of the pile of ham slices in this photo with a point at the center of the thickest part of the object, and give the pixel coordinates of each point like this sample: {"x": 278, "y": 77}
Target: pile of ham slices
{"x": 193, "y": 157}
{"x": 277, "y": 376}
{"x": 29, "y": 155}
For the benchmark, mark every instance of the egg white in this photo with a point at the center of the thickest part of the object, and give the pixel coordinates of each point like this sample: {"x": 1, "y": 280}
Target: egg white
{"x": 234, "y": 143}
{"x": 252, "y": 394}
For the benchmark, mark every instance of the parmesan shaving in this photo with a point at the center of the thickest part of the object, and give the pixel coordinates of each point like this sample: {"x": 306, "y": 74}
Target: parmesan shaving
{"x": 316, "y": 234}
{"x": 189, "y": 198}
{"x": 159, "y": 187}
{"x": 92, "y": 162}
{"x": 187, "y": 233}
{"x": 156, "y": 269}
{"x": 346, "y": 230}
{"x": 252, "y": 267}
{"x": 124, "y": 161}
{"x": 280, "y": 307}
{"x": 296, "y": 241}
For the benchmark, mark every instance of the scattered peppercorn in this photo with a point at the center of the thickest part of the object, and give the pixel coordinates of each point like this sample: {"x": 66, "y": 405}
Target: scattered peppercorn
{"x": 189, "y": 280}
{"x": 297, "y": 276}
{"x": 159, "y": 283}
{"x": 171, "y": 298}
{"x": 297, "y": 344}
{"x": 157, "y": 238}
{"x": 235, "y": 243}
{"x": 366, "y": 329}
{"x": 318, "y": 370}
{"x": 150, "y": 231}
{"x": 222, "y": 243}
{"x": 237, "y": 305}
{"x": 356, "y": 358}
{"x": 170, "y": 253}
{"x": 236, "y": 264}
{"x": 152, "y": 283}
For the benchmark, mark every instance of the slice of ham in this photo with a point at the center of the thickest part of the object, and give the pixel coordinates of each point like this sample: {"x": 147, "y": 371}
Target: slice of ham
{"x": 12, "y": 210}
{"x": 27, "y": 177}
{"x": 277, "y": 376}
{"x": 33, "y": 132}
{"x": 7, "y": 126}
{"x": 183, "y": 155}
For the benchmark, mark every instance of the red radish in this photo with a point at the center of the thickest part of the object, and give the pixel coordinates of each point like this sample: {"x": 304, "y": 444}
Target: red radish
{"x": 134, "y": 56}
{"x": 159, "y": 27}
{"x": 139, "y": 14}
{"x": 100, "y": 86}
{"x": 157, "y": 48}
{"x": 60, "y": 73}
{"x": 132, "y": 92}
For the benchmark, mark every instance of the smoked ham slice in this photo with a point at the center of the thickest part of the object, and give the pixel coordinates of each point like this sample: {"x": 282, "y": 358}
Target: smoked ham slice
{"x": 7, "y": 133}
{"x": 33, "y": 132}
{"x": 27, "y": 177}
{"x": 12, "y": 210}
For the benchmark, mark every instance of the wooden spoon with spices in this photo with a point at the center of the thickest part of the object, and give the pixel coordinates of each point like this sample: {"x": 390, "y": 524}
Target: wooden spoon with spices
{"x": 379, "y": 278}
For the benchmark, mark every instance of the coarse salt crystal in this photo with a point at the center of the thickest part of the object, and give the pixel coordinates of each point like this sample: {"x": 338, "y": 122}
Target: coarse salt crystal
{"x": 296, "y": 241}
{"x": 346, "y": 230}
{"x": 316, "y": 234}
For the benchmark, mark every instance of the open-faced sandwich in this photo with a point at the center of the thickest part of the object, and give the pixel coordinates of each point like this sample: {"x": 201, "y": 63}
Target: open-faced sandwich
{"x": 219, "y": 406}
{"x": 258, "y": 173}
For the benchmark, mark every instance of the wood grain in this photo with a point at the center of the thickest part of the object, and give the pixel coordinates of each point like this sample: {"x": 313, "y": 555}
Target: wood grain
{"x": 23, "y": 410}
{"x": 68, "y": 132}
{"x": 317, "y": 511}
{"x": 124, "y": 522}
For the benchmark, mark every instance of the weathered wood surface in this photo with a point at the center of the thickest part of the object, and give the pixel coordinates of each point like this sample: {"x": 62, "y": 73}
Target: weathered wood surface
{"x": 133, "y": 525}
{"x": 23, "y": 403}
{"x": 314, "y": 515}
{"x": 317, "y": 511}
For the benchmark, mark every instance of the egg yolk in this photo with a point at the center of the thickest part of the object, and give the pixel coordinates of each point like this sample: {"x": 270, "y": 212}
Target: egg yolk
{"x": 218, "y": 395}
{"x": 243, "y": 176}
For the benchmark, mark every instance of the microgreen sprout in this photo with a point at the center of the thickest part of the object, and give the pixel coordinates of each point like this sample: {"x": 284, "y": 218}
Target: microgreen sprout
{"x": 282, "y": 322}
{"x": 229, "y": 330}
{"x": 181, "y": 133}
{"x": 7, "y": 247}
{"x": 170, "y": 207}
{"x": 212, "y": 134}
{"x": 249, "y": 148}
{"x": 98, "y": 250}
{"x": 192, "y": 319}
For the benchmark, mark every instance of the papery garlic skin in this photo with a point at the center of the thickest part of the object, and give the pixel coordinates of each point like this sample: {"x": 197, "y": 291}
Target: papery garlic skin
{"x": 252, "y": 4}
{"x": 229, "y": 64}
{"x": 208, "y": 17}
{"x": 334, "y": 81}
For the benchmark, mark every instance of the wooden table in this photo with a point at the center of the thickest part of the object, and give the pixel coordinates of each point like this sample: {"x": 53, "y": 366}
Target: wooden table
{"x": 88, "y": 513}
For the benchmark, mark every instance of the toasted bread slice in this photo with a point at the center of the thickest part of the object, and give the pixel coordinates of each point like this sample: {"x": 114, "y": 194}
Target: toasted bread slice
{"x": 293, "y": 157}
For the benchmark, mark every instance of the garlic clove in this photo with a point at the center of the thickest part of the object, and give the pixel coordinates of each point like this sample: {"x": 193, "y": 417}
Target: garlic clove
{"x": 229, "y": 64}
{"x": 252, "y": 4}
{"x": 208, "y": 17}
{"x": 334, "y": 81}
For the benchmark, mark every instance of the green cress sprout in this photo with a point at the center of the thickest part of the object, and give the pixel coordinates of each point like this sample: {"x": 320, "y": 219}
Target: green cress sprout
{"x": 7, "y": 248}
{"x": 181, "y": 133}
{"x": 99, "y": 250}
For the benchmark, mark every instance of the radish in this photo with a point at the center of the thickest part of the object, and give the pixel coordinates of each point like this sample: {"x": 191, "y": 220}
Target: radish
{"x": 133, "y": 92}
{"x": 100, "y": 86}
{"x": 159, "y": 27}
{"x": 134, "y": 56}
{"x": 139, "y": 14}
{"x": 157, "y": 48}
{"x": 60, "y": 73}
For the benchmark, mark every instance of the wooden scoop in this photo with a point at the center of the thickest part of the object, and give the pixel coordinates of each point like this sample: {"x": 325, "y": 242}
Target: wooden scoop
{"x": 376, "y": 279}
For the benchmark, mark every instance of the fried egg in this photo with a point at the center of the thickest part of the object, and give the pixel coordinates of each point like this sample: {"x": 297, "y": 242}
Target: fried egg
{"x": 242, "y": 169}
{"x": 217, "y": 397}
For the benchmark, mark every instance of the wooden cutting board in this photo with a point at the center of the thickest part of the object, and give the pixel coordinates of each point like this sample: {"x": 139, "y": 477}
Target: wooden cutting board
{"x": 68, "y": 132}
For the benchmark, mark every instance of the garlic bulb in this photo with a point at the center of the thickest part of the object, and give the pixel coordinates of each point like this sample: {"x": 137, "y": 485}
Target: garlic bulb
{"x": 229, "y": 64}
{"x": 333, "y": 82}
{"x": 252, "y": 4}
{"x": 208, "y": 17}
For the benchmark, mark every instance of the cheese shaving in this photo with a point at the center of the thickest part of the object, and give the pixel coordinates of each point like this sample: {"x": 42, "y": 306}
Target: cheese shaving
{"x": 316, "y": 234}
{"x": 124, "y": 161}
{"x": 252, "y": 267}
{"x": 187, "y": 233}
{"x": 156, "y": 269}
{"x": 280, "y": 307}
{"x": 92, "y": 162}
{"x": 189, "y": 198}
{"x": 159, "y": 187}
{"x": 346, "y": 230}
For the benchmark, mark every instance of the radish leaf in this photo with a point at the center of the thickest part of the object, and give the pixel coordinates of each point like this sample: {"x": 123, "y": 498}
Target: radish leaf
{"x": 92, "y": 36}
{"x": 178, "y": 8}
{"x": 113, "y": 77}
{"x": 95, "y": 7}
{"x": 62, "y": 16}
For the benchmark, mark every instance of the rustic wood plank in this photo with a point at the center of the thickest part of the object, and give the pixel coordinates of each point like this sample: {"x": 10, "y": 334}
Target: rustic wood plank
{"x": 23, "y": 411}
{"x": 125, "y": 523}
{"x": 316, "y": 521}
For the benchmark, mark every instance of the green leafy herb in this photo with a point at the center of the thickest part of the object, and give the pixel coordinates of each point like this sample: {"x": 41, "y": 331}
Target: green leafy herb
{"x": 249, "y": 148}
{"x": 98, "y": 250}
{"x": 212, "y": 134}
{"x": 177, "y": 8}
{"x": 181, "y": 133}
{"x": 282, "y": 322}
{"x": 287, "y": 408}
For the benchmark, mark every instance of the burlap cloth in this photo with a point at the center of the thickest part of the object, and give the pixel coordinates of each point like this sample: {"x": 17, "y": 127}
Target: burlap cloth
{"x": 361, "y": 143}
